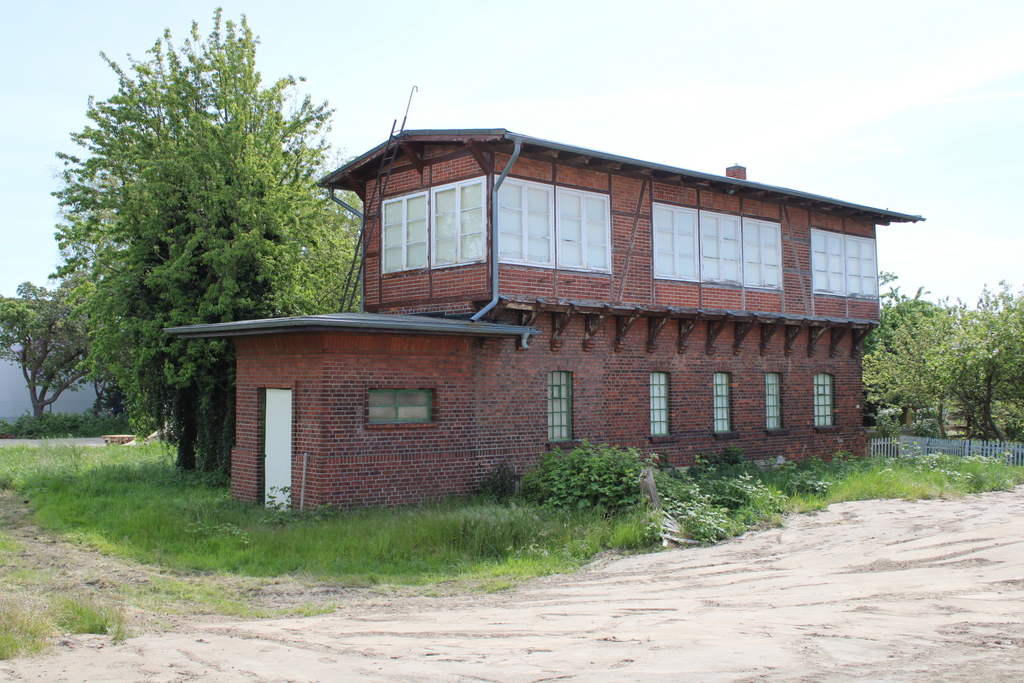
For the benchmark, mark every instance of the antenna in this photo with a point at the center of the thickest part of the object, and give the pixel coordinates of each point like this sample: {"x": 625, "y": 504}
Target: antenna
{"x": 411, "y": 93}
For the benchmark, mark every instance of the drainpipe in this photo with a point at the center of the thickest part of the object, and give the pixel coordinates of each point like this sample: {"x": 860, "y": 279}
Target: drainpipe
{"x": 494, "y": 236}
{"x": 362, "y": 227}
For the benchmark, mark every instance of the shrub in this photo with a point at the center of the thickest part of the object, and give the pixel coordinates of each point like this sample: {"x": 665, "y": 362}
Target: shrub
{"x": 499, "y": 483}
{"x": 586, "y": 476}
{"x": 64, "y": 425}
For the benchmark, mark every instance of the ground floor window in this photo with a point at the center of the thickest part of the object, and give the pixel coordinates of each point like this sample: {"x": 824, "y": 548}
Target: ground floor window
{"x": 659, "y": 403}
{"x": 823, "y": 400}
{"x": 559, "y": 406}
{"x": 772, "y": 400}
{"x": 387, "y": 406}
{"x": 722, "y": 402}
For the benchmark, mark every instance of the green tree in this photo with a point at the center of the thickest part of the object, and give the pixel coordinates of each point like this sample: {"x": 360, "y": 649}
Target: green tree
{"x": 195, "y": 202}
{"x": 952, "y": 358}
{"x": 43, "y": 332}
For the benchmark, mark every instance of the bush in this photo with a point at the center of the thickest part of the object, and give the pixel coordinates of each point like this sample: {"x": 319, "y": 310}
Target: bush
{"x": 586, "y": 476}
{"x": 499, "y": 483}
{"x": 64, "y": 425}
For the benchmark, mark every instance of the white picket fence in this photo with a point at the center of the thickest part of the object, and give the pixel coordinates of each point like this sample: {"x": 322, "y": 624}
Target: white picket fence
{"x": 887, "y": 448}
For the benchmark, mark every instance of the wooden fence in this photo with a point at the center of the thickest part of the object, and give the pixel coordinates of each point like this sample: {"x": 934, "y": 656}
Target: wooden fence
{"x": 887, "y": 448}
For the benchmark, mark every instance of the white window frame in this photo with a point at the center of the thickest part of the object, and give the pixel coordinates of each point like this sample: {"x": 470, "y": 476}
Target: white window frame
{"x": 659, "y": 393}
{"x": 824, "y": 400}
{"x": 677, "y": 216}
{"x": 837, "y": 270}
{"x": 404, "y": 227}
{"x": 560, "y": 230}
{"x": 865, "y": 259}
{"x": 524, "y": 235}
{"x": 459, "y": 211}
{"x": 758, "y": 262}
{"x": 722, "y": 401}
{"x": 773, "y": 400}
{"x": 721, "y": 246}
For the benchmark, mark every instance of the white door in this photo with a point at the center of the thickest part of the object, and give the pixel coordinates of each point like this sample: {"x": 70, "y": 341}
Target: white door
{"x": 277, "y": 456}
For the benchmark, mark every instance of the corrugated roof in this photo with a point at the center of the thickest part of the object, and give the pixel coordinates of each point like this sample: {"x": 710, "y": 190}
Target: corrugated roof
{"x": 338, "y": 179}
{"x": 377, "y": 322}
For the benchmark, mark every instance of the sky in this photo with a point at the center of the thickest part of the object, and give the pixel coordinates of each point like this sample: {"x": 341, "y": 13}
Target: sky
{"x": 911, "y": 106}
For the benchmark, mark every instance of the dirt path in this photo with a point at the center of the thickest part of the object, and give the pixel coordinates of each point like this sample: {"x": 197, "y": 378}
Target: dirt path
{"x": 867, "y": 591}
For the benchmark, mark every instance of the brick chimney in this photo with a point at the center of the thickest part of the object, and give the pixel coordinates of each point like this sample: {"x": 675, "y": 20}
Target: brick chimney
{"x": 736, "y": 171}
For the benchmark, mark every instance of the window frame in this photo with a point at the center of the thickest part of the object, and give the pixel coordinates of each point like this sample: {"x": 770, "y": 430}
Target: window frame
{"x": 658, "y": 385}
{"x": 871, "y": 246}
{"x": 524, "y": 187}
{"x": 559, "y": 382}
{"x": 675, "y": 212}
{"x": 397, "y": 405}
{"x": 404, "y": 227}
{"x": 720, "y": 242}
{"x": 721, "y": 392}
{"x": 773, "y": 400}
{"x": 760, "y": 226}
{"x": 824, "y": 400}
{"x": 432, "y": 238}
{"x": 560, "y": 219}
{"x": 825, "y": 264}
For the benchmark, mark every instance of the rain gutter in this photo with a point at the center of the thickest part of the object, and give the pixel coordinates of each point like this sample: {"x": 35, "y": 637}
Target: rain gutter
{"x": 494, "y": 234}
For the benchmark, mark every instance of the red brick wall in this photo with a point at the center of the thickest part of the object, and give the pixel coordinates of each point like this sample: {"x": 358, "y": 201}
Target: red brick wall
{"x": 490, "y": 404}
{"x": 632, "y": 279}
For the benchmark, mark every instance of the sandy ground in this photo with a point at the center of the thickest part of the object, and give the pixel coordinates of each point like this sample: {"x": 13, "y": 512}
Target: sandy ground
{"x": 867, "y": 591}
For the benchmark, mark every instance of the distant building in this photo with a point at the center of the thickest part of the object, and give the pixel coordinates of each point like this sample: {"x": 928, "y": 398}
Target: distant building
{"x": 15, "y": 400}
{"x": 521, "y": 295}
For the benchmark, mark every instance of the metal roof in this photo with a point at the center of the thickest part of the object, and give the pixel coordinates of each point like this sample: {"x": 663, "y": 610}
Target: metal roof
{"x": 376, "y": 322}
{"x": 339, "y": 178}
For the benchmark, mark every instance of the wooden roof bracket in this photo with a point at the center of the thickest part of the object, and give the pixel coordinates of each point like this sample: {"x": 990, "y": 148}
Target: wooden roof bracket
{"x": 559, "y": 321}
{"x": 686, "y": 326}
{"x": 591, "y": 324}
{"x": 622, "y": 325}
{"x": 813, "y": 335}
{"x": 740, "y": 331}
{"x": 715, "y": 328}
{"x": 857, "y": 337}
{"x": 414, "y": 157}
{"x": 480, "y": 157}
{"x": 768, "y": 331}
{"x": 792, "y": 332}
{"x": 654, "y": 327}
{"x": 836, "y": 338}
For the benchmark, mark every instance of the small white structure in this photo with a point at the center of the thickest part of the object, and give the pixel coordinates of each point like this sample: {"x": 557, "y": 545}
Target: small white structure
{"x": 15, "y": 400}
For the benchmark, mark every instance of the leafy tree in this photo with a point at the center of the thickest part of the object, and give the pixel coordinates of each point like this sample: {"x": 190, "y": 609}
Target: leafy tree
{"x": 953, "y": 358}
{"x": 195, "y": 202}
{"x": 43, "y": 333}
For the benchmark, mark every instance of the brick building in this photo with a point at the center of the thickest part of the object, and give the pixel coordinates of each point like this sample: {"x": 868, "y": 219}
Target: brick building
{"x": 617, "y": 301}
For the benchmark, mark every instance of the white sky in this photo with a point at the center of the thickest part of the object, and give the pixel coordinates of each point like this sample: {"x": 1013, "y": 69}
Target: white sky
{"x": 913, "y": 106}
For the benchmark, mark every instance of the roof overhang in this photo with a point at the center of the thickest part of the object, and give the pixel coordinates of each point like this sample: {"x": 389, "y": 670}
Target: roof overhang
{"x": 354, "y": 322}
{"x": 355, "y": 174}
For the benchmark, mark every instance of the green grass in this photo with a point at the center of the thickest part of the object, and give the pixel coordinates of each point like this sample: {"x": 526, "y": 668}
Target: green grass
{"x": 814, "y": 484}
{"x": 211, "y": 553}
{"x": 132, "y": 503}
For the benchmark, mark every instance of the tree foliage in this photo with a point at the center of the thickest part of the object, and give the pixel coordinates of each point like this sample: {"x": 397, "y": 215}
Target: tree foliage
{"x": 42, "y": 331}
{"x": 194, "y": 202}
{"x": 958, "y": 362}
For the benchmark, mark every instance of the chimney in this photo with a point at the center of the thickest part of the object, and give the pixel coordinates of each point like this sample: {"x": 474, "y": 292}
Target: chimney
{"x": 736, "y": 171}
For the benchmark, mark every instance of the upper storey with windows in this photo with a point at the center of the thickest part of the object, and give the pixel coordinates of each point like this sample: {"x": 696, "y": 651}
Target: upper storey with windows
{"x": 579, "y": 225}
